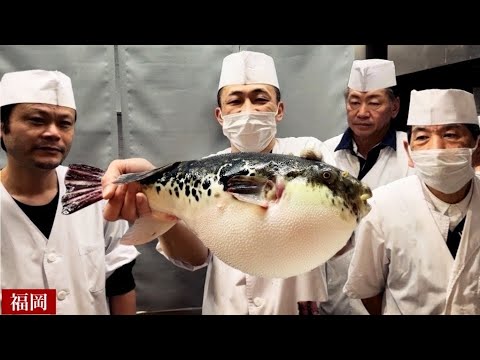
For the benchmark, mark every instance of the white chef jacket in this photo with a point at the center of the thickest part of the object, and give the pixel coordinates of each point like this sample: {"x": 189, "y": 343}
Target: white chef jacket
{"x": 82, "y": 251}
{"x": 401, "y": 249}
{"x": 229, "y": 291}
{"x": 391, "y": 164}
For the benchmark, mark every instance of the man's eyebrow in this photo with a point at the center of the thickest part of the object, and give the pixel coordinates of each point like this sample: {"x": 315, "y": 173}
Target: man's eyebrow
{"x": 236, "y": 92}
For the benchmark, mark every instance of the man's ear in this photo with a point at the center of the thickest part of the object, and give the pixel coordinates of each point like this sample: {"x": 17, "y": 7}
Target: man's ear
{"x": 280, "y": 112}
{"x": 218, "y": 115}
{"x": 395, "y": 107}
{"x": 476, "y": 154}
{"x": 407, "y": 149}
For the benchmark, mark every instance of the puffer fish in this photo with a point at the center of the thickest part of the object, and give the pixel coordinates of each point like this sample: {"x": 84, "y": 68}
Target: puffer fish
{"x": 267, "y": 215}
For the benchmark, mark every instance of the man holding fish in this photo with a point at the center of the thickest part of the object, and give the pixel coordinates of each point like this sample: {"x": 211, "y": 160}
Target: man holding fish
{"x": 249, "y": 109}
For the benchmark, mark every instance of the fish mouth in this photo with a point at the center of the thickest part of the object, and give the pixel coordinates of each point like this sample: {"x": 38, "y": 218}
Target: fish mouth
{"x": 366, "y": 194}
{"x": 360, "y": 193}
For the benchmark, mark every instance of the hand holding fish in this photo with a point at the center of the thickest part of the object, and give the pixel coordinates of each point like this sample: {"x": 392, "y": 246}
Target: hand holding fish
{"x": 126, "y": 201}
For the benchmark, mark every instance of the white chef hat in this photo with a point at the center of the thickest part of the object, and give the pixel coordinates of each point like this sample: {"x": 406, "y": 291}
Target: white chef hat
{"x": 248, "y": 67}
{"x": 372, "y": 74}
{"x": 441, "y": 106}
{"x": 36, "y": 86}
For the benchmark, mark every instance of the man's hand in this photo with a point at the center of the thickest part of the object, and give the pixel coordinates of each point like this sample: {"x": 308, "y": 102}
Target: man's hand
{"x": 122, "y": 199}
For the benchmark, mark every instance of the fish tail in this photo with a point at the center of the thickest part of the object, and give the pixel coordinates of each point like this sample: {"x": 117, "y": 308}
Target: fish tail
{"x": 84, "y": 187}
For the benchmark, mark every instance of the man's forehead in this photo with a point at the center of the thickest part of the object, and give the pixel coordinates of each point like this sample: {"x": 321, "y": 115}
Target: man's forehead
{"x": 437, "y": 128}
{"x": 249, "y": 88}
{"x": 367, "y": 94}
{"x": 44, "y": 107}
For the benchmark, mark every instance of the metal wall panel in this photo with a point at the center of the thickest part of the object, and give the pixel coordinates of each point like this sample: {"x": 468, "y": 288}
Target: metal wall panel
{"x": 312, "y": 81}
{"x": 168, "y": 100}
{"x": 412, "y": 58}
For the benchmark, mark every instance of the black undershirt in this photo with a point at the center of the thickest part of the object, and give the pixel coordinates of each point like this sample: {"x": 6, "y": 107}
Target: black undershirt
{"x": 42, "y": 216}
{"x": 454, "y": 237}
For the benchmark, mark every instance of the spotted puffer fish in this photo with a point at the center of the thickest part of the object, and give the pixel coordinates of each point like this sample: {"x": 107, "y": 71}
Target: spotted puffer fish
{"x": 267, "y": 215}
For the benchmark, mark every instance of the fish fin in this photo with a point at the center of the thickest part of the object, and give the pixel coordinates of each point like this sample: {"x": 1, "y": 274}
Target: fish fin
{"x": 146, "y": 228}
{"x": 133, "y": 177}
{"x": 252, "y": 189}
{"x": 311, "y": 154}
{"x": 252, "y": 199}
{"x": 84, "y": 187}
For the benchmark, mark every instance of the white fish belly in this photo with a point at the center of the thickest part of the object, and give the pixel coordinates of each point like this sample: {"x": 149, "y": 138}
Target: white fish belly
{"x": 298, "y": 233}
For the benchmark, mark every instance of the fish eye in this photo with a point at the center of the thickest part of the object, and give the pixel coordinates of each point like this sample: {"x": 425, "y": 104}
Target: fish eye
{"x": 327, "y": 175}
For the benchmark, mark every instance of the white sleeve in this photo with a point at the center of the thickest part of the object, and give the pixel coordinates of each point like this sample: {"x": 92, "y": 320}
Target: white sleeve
{"x": 183, "y": 264}
{"x": 320, "y": 147}
{"x": 117, "y": 254}
{"x": 327, "y": 155}
{"x": 369, "y": 265}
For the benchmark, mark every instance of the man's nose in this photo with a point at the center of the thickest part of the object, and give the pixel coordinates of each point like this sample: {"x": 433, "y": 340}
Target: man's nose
{"x": 52, "y": 130}
{"x": 247, "y": 106}
{"x": 437, "y": 142}
{"x": 363, "y": 110}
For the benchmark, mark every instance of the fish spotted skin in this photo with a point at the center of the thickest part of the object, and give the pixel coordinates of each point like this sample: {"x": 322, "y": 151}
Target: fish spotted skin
{"x": 200, "y": 179}
{"x": 267, "y": 215}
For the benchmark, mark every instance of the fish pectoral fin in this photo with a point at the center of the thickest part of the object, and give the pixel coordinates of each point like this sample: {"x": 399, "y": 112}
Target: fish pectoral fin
{"x": 147, "y": 228}
{"x": 252, "y": 189}
{"x": 252, "y": 199}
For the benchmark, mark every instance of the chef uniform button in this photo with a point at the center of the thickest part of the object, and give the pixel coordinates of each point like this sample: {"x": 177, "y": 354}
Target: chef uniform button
{"x": 62, "y": 294}
{"x": 258, "y": 301}
{"x": 51, "y": 257}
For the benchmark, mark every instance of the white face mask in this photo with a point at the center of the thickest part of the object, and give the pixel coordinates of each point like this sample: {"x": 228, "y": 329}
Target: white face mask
{"x": 445, "y": 170}
{"x": 250, "y": 131}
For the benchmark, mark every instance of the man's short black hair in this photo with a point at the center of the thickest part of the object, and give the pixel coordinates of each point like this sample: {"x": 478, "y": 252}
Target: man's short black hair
{"x": 5, "y": 112}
